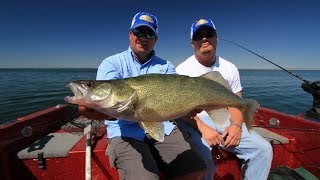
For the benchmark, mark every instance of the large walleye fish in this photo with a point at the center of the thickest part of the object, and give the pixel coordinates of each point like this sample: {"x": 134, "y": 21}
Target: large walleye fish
{"x": 153, "y": 98}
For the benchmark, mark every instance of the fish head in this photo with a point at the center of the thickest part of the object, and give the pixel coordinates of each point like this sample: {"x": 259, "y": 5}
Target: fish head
{"x": 110, "y": 97}
{"x": 88, "y": 92}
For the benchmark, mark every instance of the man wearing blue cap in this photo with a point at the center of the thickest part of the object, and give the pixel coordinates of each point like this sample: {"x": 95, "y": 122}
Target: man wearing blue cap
{"x": 233, "y": 135}
{"x": 133, "y": 152}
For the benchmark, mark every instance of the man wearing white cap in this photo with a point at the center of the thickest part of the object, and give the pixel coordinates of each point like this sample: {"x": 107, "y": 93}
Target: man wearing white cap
{"x": 133, "y": 152}
{"x": 233, "y": 135}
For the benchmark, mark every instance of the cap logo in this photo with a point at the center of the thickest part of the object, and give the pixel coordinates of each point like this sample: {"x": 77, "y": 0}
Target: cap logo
{"x": 146, "y": 18}
{"x": 201, "y": 21}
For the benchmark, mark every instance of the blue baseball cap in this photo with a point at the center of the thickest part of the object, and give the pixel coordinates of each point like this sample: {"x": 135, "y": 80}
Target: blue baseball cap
{"x": 200, "y": 23}
{"x": 145, "y": 19}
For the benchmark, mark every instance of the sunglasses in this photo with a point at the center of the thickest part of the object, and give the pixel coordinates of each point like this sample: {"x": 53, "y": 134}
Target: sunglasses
{"x": 200, "y": 35}
{"x": 149, "y": 34}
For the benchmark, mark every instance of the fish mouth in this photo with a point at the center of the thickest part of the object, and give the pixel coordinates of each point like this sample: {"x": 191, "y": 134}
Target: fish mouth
{"x": 78, "y": 91}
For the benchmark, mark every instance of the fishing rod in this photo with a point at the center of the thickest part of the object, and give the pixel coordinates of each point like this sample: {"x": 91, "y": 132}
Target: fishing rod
{"x": 311, "y": 87}
{"x": 307, "y": 82}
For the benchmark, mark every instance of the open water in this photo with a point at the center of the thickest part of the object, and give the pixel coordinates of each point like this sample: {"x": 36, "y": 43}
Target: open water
{"x": 23, "y": 91}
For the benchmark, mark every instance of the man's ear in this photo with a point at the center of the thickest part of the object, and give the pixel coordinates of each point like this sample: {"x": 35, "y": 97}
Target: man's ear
{"x": 192, "y": 44}
{"x": 129, "y": 35}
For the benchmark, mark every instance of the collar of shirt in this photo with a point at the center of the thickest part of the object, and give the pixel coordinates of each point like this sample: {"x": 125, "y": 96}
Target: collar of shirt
{"x": 137, "y": 61}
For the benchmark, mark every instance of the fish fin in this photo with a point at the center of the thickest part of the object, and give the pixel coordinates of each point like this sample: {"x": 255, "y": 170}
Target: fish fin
{"x": 217, "y": 77}
{"x": 154, "y": 129}
{"x": 149, "y": 108}
{"x": 127, "y": 103}
{"x": 115, "y": 107}
{"x": 142, "y": 103}
{"x": 249, "y": 112}
{"x": 219, "y": 116}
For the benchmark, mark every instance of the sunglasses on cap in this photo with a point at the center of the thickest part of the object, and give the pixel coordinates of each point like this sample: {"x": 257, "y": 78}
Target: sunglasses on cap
{"x": 204, "y": 34}
{"x": 149, "y": 34}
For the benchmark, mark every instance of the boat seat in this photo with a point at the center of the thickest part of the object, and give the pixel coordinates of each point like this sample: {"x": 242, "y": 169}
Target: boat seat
{"x": 270, "y": 136}
{"x": 51, "y": 145}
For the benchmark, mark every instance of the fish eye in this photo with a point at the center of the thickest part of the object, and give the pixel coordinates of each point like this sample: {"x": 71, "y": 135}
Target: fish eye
{"x": 89, "y": 84}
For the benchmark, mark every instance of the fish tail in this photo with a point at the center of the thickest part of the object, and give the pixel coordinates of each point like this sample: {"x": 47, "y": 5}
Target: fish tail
{"x": 249, "y": 112}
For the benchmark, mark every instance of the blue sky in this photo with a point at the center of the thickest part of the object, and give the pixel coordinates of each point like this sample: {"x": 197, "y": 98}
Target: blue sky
{"x": 80, "y": 34}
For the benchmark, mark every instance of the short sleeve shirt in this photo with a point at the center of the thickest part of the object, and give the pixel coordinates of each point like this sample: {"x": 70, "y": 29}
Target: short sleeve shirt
{"x": 191, "y": 67}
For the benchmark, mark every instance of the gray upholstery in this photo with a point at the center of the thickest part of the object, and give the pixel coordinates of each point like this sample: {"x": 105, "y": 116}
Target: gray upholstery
{"x": 52, "y": 145}
{"x": 272, "y": 137}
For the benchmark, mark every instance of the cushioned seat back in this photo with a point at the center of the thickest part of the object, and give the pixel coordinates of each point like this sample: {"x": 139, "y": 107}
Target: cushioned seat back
{"x": 51, "y": 145}
{"x": 270, "y": 136}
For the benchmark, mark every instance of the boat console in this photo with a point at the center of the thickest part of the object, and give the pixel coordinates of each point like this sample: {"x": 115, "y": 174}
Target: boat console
{"x": 314, "y": 89}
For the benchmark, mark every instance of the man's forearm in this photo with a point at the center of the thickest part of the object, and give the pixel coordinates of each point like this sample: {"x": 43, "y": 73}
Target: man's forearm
{"x": 236, "y": 116}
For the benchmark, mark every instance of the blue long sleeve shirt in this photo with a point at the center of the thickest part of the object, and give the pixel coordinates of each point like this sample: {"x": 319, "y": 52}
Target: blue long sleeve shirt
{"x": 124, "y": 65}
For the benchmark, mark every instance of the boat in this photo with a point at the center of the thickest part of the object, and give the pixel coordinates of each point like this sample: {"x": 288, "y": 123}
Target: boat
{"x": 58, "y": 143}
{"x": 41, "y": 146}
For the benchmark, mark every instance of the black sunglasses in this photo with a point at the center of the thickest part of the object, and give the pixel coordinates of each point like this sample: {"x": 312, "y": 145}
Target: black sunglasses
{"x": 200, "y": 35}
{"x": 149, "y": 34}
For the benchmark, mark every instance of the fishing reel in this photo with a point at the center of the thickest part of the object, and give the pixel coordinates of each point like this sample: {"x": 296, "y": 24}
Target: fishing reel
{"x": 314, "y": 89}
